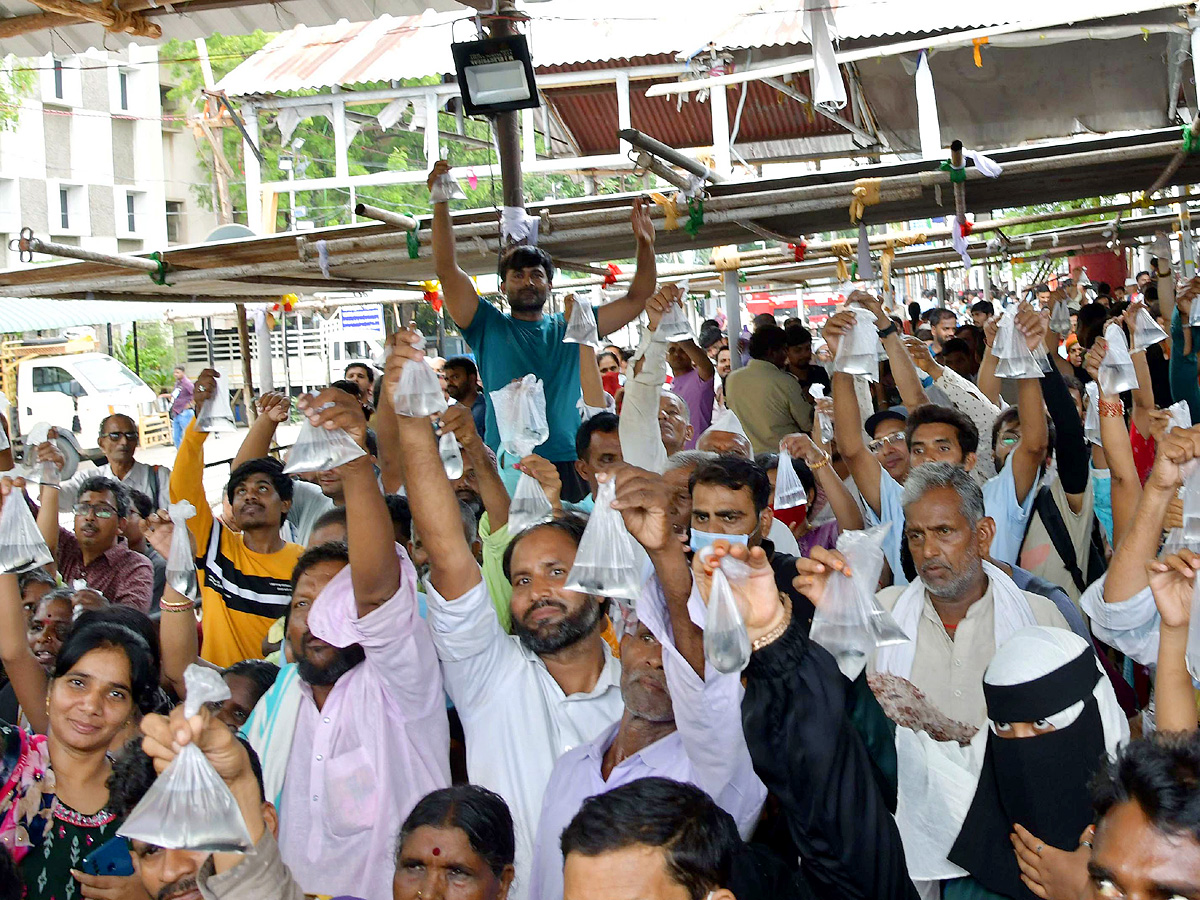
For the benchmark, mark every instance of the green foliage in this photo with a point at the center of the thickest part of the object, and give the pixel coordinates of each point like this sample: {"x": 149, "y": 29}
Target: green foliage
{"x": 155, "y": 355}
{"x": 17, "y": 80}
{"x": 1023, "y": 269}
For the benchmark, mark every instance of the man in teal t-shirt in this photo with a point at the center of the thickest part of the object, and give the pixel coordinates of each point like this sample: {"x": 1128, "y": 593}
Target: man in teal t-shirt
{"x": 526, "y": 340}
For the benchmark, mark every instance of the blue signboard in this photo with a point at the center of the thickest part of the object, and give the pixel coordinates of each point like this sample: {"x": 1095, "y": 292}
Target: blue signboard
{"x": 366, "y": 321}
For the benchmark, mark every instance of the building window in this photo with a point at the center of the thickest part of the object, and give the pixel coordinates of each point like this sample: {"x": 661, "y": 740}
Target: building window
{"x": 64, "y": 207}
{"x": 131, "y": 211}
{"x": 123, "y": 88}
{"x": 174, "y": 221}
{"x": 58, "y": 80}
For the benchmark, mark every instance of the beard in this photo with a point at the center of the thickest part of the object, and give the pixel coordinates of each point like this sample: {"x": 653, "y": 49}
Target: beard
{"x": 651, "y": 703}
{"x": 554, "y": 637}
{"x": 183, "y": 885}
{"x": 954, "y": 587}
{"x": 345, "y": 659}
{"x": 528, "y": 299}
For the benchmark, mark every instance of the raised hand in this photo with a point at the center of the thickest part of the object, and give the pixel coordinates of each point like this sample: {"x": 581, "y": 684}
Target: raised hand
{"x": 458, "y": 420}
{"x": 813, "y": 572}
{"x": 801, "y": 446}
{"x": 759, "y": 599}
{"x": 334, "y": 408}
{"x": 644, "y": 502}
{"x": 658, "y": 305}
{"x": 1172, "y": 581}
{"x": 1176, "y": 449}
{"x": 643, "y": 225}
{"x": 990, "y": 328}
{"x": 275, "y": 405}
{"x": 544, "y": 473}
{"x": 874, "y": 304}
{"x": 204, "y": 387}
{"x": 403, "y": 346}
{"x": 1095, "y": 356}
{"x": 440, "y": 168}
{"x": 836, "y": 326}
{"x": 1032, "y": 326}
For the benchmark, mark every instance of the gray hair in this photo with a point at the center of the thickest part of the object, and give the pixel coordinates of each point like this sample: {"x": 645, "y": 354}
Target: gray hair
{"x": 931, "y": 476}
{"x": 689, "y": 459}
{"x": 687, "y": 412}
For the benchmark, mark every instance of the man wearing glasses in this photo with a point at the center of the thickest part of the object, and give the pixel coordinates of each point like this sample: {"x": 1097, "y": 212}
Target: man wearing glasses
{"x": 93, "y": 551}
{"x": 119, "y": 440}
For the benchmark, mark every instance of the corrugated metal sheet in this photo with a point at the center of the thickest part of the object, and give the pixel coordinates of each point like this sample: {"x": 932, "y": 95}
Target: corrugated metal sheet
{"x": 230, "y": 18}
{"x": 776, "y": 22}
{"x": 19, "y": 315}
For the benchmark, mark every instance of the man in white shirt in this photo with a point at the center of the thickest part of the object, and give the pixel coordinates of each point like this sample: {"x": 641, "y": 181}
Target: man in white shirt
{"x": 960, "y": 608}
{"x": 119, "y": 439}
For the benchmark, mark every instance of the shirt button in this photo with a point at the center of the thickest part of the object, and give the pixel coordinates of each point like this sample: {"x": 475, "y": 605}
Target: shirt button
{"x": 319, "y": 757}
{"x": 314, "y": 798}
{"x": 958, "y": 693}
{"x": 326, "y": 720}
{"x": 958, "y": 662}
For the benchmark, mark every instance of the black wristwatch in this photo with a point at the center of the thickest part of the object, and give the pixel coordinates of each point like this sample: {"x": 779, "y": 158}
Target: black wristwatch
{"x": 886, "y": 332}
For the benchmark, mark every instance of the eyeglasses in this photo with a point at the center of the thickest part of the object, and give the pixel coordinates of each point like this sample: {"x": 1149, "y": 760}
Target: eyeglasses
{"x": 117, "y": 435}
{"x": 100, "y": 511}
{"x": 894, "y": 438}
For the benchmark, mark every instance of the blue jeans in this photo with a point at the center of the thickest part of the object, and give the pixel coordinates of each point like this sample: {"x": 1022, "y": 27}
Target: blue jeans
{"x": 179, "y": 423}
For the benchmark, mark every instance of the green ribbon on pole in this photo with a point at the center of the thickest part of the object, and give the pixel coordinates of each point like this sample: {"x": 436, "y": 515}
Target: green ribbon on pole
{"x": 854, "y": 271}
{"x": 159, "y": 276}
{"x": 741, "y": 277}
{"x": 1190, "y": 143}
{"x": 414, "y": 244}
{"x": 695, "y": 217}
{"x": 957, "y": 176}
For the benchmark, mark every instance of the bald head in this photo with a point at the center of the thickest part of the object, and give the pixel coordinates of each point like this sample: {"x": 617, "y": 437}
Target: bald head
{"x": 725, "y": 443}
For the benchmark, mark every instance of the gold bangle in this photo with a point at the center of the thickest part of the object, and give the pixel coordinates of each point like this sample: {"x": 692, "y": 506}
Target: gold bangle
{"x": 1111, "y": 409}
{"x": 190, "y": 609}
{"x": 186, "y": 604}
{"x": 777, "y": 632}
{"x": 822, "y": 464}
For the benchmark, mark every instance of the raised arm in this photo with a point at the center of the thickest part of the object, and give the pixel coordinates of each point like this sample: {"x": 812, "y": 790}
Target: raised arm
{"x": 1030, "y": 454}
{"x": 699, "y": 359}
{"x": 908, "y": 381}
{"x": 273, "y": 410}
{"x": 453, "y": 569}
{"x": 1172, "y": 580}
{"x": 988, "y": 383}
{"x": 641, "y": 439}
{"x": 177, "y": 627}
{"x": 374, "y": 566}
{"x": 590, "y": 384}
{"x": 1118, "y": 451}
{"x": 457, "y": 290}
{"x": 26, "y": 674}
{"x": 391, "y": 468}
{"x": 847, "y": 421}
{"x": 845, "y": 509}
{"x": 458, "y": 420}
{"x": 620, "y": 313}
{"x": 187, "y": 478}
{"x": 1071, "y": 446}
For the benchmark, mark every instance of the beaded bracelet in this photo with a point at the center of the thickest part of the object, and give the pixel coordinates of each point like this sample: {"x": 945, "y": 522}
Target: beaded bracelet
{"x": 777, "y": 632}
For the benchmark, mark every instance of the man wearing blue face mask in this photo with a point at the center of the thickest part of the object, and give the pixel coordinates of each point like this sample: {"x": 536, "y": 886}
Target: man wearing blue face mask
{"x": 730, "y": 498}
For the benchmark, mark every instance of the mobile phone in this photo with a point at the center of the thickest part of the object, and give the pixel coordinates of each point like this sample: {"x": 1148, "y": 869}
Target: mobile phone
{"x": 110, "y": 858}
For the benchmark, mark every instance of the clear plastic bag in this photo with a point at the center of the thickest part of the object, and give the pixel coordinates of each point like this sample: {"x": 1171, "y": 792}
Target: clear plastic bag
{"x": 22, "y": 547}
{"x": 451, "y": 456}
{"x": 216, "y": 414}
{"x": 521, "y": 416}
{"x": 1181, "y": 416}
{"x": 1192, "y": 653}
{"x": 418, "y": 393}
{"x": 529, "y": 505}
{"x": 674, "y": 325}
{"x": 581, "y": 327}
{"x": 1194, "y": 318}
{"x": 726, "y": 641}
{"x": 607, "y": 563}
{"x": 35, "y": 472}
{"x": 1014, "y": 359}
{"x": 181, "y": 565}
{"x": 1116, "y": 374}
{"x": 1060, "y": 317}
{"x": 1091, "y": 418}
{"x": 789, "y": 492}
{"x": 849, "y": 622}
{"x": 321, "y": 449}
{"x": 1146, "y": 332}
{"x": 1191, "y": 507}
{"x": 858, "y": 351}
{"x": 446, "y": 188}
{"x": 189, "y": 806}
{"x": 824, "y": 420}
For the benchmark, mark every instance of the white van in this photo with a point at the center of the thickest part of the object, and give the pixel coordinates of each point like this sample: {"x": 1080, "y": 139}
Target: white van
{"x": 77, "y": 391}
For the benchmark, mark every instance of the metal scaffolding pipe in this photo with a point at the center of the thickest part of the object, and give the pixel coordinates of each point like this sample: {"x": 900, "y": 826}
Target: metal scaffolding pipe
{"x": 27, "y": 243}
{"x": 670, "y": 154}
{"x": 408, "y": 223}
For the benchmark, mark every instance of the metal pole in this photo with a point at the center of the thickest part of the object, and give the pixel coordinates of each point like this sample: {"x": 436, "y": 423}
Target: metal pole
{"x": 941, "y": 288}
{"x": 385, "y": 215}
{"x": 508, "y": 128}
{"x": 208, "y": 335}
{"x": 669, "y": 154}
{"x": 733, "y": 316}
{"x": 137, "y": 364}
{"x": 108, "y": 328}
{"x": 27, "y": 243}
{"x": 960, "y": 187}
{"x": 247, "y": 370}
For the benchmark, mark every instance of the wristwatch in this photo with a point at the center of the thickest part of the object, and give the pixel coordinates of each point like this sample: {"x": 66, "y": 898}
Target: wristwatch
{"x": 890, "y": 330}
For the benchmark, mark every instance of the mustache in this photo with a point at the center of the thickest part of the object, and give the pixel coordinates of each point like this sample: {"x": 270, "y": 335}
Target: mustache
{"x": 941, "y": 563}
{"x": 541, "y": 604}
{"x": 179, "y": 887}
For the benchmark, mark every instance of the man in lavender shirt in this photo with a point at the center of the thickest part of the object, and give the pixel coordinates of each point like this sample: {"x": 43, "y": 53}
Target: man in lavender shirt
{"x": 693, "y": 380}
{"x": 181, "y": 405}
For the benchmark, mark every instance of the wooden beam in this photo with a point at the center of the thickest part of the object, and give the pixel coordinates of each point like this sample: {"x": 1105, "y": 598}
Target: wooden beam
{"x": 114, "y": 19}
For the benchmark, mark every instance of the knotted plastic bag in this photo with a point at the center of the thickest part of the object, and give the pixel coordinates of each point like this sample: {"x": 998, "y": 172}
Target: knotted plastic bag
{"x": 529, "y": 505}
{"x": 521, "y": 416}
{"x": 607, "y": 563}
{"x": 189, "y": 806}
{"x": 581, "y": 327}
{"x": 1181, "y": 416}
{"x": 674, "y": 325}
{"x": 858, "y": 351}
{"x": 446, "y": 188}
{"x": 1091, "y": 418}
{"x": 451, "y": 456}
{"x": 789, "y": 492}
{"x": 726, "y": 641}
{"x": 849, "y": 622}
{"x": 36, "y": 472}
{"x": 1060, "y": 317}
{"x": 418, "y": 393}
{"x": 321, "y": 449}
{"x": 216, "y": 414}
{"x": 1116, "y": 374}
{"x": 1014, "y": 359}
{"x": 181, "y": 565}
{"x": 824, "y": 420}
{"x": 1146, "y": 332}
{"x": 21, "y": 544}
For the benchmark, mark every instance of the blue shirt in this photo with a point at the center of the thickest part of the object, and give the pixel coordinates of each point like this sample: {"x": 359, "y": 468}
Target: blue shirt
{"x": 507, "y": 349}
{"x": 999, "y": 503}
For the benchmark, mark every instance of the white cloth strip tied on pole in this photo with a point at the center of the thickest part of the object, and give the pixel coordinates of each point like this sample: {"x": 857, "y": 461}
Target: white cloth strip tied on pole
{"x": 518, "y": 227}
{"x": 820, "y": 30}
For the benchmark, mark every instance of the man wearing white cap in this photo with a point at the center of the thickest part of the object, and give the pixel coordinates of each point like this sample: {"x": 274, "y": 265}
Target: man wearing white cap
{"x": 726, "y": 436}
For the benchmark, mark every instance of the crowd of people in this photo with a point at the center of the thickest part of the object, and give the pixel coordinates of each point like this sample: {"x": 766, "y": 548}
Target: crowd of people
{"x": 422, "y": 703}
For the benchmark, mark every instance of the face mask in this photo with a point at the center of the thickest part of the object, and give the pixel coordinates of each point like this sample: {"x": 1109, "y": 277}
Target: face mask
{"x": 702, "y": 539}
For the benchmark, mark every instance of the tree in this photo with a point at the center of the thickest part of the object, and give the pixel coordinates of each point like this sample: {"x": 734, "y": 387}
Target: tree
{"x": 17, "y": 79}
{"x": 155, "y": 355}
